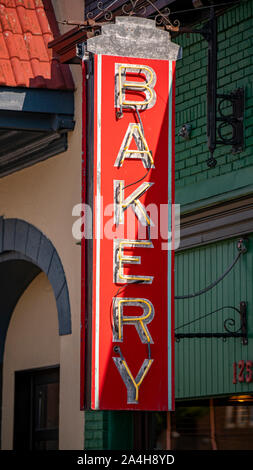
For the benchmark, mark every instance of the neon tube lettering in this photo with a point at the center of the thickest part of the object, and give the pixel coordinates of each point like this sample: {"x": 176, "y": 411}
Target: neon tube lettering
{"x": 140, "y": 322}
{"x": 120, "y": 259}
{"x": 121, "y": 204}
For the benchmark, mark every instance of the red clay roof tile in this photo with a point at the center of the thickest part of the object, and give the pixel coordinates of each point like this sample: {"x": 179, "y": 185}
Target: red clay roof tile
{"x": 42, "y": 18}
{"x": 28, "y": 20}
{"x": 26, "y": 3}
{"x": 7, "y": 73}
{"x": 18, "y": 72}
{"x": 39, "y": 4}
{"x": 3, "y": 49}
{"x": 26, "y": 27}
{"x": 15, "y": 45}
{"x": 36, "y": 47}
{"x": 9, "y": 3}
{"x": 9, "y": 20}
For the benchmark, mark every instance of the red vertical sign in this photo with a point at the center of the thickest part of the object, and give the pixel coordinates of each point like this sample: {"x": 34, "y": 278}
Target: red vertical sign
{"x": 132, "y": 363}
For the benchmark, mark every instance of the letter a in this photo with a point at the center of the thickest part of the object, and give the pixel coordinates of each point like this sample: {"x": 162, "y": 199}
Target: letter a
{"x": 142, "y": 152}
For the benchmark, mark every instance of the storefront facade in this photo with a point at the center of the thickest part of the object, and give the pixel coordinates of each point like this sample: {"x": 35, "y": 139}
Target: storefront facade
{"x": 212, "y": 411}
{"x": 40, "y": 265}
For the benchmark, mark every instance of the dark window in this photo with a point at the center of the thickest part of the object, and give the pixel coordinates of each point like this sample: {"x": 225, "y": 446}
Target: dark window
{"x": 36, "y": 414}
{"x": 219, "y": 424}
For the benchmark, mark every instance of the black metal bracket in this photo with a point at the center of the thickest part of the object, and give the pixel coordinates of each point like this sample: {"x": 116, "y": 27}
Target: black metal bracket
{"x": 219, "y": 123}
{"x": 242, "y": 248}
{"x": 217, "y": 120}
{"x": 241, "y": 332}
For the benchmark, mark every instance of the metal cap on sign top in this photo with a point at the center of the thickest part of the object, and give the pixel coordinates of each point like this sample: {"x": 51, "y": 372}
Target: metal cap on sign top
{"x": 134, "y": 37}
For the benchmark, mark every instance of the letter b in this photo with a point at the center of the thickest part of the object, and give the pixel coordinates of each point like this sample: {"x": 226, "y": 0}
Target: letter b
{"x": 146, "y": 86}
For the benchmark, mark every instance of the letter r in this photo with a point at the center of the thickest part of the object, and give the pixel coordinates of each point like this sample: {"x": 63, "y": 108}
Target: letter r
{"x": 139, "y": 321}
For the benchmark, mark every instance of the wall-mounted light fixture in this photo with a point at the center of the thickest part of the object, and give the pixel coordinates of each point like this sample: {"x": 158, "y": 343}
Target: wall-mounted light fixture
{"x": 241, "y": 398}
{"x": 185, "y": 131}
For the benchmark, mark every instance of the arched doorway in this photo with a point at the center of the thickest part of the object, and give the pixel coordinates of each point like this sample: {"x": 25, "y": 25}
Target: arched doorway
{"x": 30, "y": 399}
{"x": 27, "y": 259}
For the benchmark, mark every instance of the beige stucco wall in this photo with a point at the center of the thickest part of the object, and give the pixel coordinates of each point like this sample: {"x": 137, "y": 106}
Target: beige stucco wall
{"x": 68, "y": 10}
{"x": 44, "y": 196}
{"x": 32, "y": 341}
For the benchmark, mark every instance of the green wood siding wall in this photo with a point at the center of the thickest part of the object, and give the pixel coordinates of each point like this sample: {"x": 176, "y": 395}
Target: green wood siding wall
{"x": 204, "y": 367}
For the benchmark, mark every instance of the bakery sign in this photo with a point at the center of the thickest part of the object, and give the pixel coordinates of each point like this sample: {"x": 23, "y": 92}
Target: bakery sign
{"x": 129, "y": 307}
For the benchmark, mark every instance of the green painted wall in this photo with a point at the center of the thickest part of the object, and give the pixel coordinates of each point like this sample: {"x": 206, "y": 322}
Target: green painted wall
{"x": 235, "y": 69}
{"x": 108, "y": 430}
{"x": 95, "y": 430}
{"x": 204, "y": 367}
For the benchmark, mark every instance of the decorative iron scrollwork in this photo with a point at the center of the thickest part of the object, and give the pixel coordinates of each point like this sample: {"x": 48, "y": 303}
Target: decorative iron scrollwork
{"x": 242, "y": 247}
{"x": 217, "y": 121}
{"x": 163, "y": 19}
{"x": 105, "y": 13}
{"x": 136, "y": 8}
{"x": 229, "y": 323}
{"x": 235, "y": 119}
